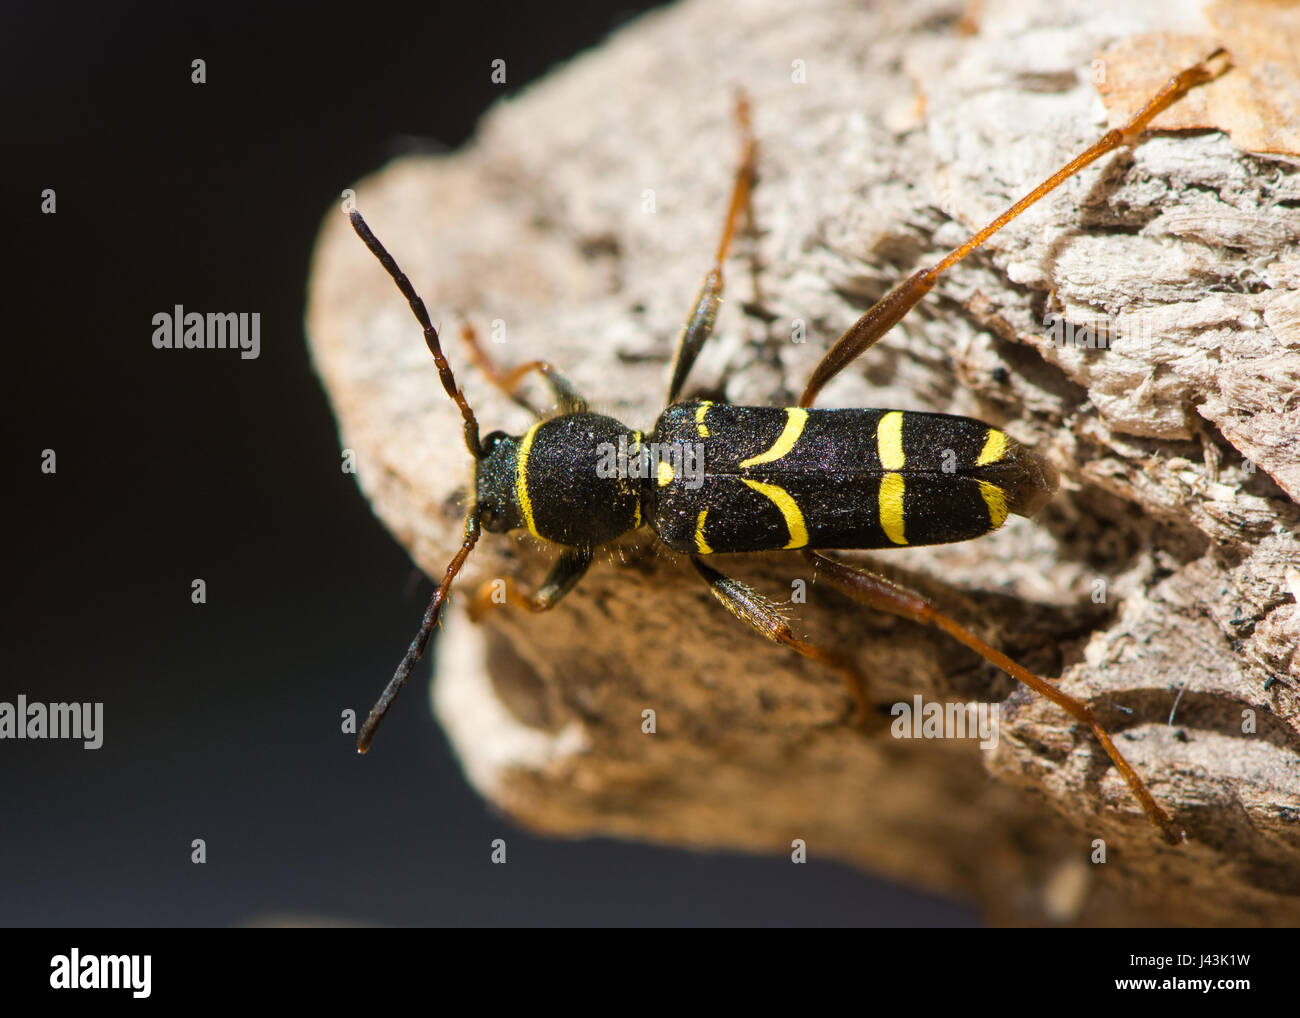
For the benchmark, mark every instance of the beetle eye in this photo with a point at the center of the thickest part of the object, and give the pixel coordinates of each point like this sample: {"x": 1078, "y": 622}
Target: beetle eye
{"x": 489, "y": 515}
{"x": 493, "y": 439}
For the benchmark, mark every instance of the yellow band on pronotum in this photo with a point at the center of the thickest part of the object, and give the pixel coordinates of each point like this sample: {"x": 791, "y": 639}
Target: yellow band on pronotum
{"x": 521, "y": 479}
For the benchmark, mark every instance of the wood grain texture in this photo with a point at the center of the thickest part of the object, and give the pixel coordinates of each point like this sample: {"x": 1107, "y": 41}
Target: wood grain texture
{"x": 1156, "y": 577}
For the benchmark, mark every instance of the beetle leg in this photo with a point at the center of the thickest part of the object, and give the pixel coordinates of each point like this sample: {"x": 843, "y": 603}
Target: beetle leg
{"x": 884, "y": 595}
{"x": 568, "y": 399}
{"x": 750, "y": 606}
{"x": 699, "y": 323}
{"x": 893, "y": 306}
{"x": 568, "y": 569}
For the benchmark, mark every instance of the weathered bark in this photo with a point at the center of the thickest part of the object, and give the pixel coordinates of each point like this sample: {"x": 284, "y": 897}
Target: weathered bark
{"x": 1155, "y": 585}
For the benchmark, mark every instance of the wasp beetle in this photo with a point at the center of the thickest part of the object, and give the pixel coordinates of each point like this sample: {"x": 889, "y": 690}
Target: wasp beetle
{"x": 711, "y": 477}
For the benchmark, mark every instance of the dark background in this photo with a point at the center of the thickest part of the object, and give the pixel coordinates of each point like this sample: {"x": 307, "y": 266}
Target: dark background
{"x": 222, "y": 720}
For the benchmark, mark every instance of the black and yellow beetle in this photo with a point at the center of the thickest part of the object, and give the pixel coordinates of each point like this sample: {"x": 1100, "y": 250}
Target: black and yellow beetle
{"x": 760, "y": 479}
{"x": 712, "y": 477}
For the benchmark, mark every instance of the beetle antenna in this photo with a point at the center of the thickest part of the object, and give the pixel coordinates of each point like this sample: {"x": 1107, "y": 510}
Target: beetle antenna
{"x": 416, "y": 650}
{"x": 430, "y": 333}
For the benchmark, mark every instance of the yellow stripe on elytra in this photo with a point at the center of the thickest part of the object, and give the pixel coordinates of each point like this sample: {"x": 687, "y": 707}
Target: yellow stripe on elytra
{"x": 700, "y": 426}
{"x": 996, "y": 499}
{"x": 636, "y": 506}
{"x": 795, "y": 419}
{"x": 889, "y": 442}
{"x": 995, "y": 447}
{"x": 789, "y": 509}
{"x": 892, "y": 491}
{"x": 665, "y": 473}
{"x": 521, "y": 479}
{"x": 701, "y": 545}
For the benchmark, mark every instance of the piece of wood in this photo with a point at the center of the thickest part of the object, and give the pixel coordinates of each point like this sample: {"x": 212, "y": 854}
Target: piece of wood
{"x": 577, "y": 227}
